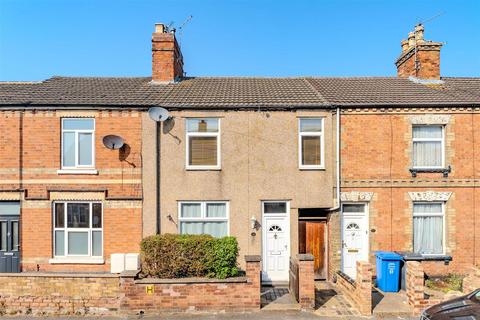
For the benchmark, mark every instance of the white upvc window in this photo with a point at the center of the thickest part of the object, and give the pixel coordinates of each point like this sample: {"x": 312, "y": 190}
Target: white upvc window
{"x": 429, "y": 228}
{"x": 78, "y": 143}
{"x": 428, "y": 146}
{"x": 204, "y": 217}
{"x": 203, "y": 144}
{"x": 311, "y": 143}
{"x": 77, "y": 229}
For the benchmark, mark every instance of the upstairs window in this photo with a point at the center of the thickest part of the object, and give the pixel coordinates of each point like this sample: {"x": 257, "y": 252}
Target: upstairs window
{"x": 78, "y": 147}
{"x": 311, "y": 143}
{"x": 203, "y": 143}
{"x": 428, "y": 146}
{"x": 428, "y": 227}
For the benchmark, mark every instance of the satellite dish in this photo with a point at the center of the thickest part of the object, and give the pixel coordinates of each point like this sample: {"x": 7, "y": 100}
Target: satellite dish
{"x": 158, "y": 114}
{"x": 113, "y": 142}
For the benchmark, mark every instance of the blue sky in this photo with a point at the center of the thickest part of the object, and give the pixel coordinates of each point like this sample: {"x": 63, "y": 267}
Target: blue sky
{"x": 41, "y": 38}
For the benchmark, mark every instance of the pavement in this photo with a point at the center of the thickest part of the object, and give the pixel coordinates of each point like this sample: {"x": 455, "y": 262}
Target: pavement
{"x": 261, "y": 315}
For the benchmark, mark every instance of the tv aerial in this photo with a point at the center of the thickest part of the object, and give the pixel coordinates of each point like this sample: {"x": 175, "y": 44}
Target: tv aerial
{"x": 113, "y": 142}
{"x": 159, "y": 114}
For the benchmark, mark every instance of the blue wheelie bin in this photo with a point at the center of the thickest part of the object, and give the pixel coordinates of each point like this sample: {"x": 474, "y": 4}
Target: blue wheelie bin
{"x": 388, "y": 271}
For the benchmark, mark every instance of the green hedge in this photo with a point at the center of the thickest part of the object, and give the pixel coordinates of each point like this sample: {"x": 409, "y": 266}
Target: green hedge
{"x": 180, "y": 256}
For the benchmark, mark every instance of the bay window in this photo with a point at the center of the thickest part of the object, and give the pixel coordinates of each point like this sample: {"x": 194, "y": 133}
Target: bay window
{"x": 206, "y": 217}
{"x": 78, "y": 229}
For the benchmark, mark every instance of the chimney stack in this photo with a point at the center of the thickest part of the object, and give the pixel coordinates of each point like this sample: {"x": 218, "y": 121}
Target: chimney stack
{"x": 167, "y": 60}
{"x": 419, "y": 58}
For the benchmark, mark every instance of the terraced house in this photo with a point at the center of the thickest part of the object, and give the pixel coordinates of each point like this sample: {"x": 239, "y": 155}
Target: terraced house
{"x": 337, "y": 167}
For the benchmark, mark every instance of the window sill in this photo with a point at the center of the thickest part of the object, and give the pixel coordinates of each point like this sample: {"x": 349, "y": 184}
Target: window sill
{"x": 445, "y": 171}
{"x": 311, "y": 168}
{"x": 203, "y": 168}
{"x": 76, "y": 260}
{"x": 77, "y": 171}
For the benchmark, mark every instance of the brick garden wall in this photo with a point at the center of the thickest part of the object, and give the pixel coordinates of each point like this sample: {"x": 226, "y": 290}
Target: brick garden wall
{"x": 106, "y": 294}
{"x": 302, "y": 280}
{"x": 415, "y": 288}
{"x": 359, "y": 291}
{"x": 180, "y": 295}
{"x": 59, "y": 294}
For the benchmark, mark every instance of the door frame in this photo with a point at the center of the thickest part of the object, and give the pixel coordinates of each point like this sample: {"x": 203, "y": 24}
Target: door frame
{"x": 367, "y": 220}
{"x": 264, "y": 233}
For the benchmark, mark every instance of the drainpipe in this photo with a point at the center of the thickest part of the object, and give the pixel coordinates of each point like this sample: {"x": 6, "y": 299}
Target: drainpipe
{"x": 337, "y": 161}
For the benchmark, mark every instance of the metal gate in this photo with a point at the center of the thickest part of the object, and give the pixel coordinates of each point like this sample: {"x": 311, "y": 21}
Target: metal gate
{"x": 9, "y": 237}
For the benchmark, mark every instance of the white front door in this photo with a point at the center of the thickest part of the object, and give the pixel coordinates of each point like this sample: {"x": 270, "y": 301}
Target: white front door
{"x": 354, "y": 237}
{"x": 276, "y": 241}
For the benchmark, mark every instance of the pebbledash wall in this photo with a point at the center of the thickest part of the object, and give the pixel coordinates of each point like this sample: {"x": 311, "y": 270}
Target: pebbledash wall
{"x": 259, "y": 161}
{"x": 31, "y": 158}
{"x": 375, "y": 167}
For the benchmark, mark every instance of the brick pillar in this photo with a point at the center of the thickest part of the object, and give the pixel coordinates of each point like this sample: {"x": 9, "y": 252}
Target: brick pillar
{"x": 364, "y": 287}
{"x": 127, "y": 289}
{"x": 415, "y": 285}
{"x": 253, "y": 273}
{"x": 306, "y": 281}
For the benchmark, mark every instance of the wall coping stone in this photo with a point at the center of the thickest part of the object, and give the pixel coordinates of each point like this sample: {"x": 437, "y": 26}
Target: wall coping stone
{"x": 129, "y": 273}
{"x": 190, "y": 280}
{"x": 253, "y": 258}
{"x": 305, "y": 257}
{"x": 59, "y": 275}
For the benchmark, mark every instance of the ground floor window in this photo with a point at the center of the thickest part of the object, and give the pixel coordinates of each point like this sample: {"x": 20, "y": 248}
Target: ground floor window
{"x": 78, "y": 229}
{"x": 428, "y": 225}
{"x": 204, "y": 217}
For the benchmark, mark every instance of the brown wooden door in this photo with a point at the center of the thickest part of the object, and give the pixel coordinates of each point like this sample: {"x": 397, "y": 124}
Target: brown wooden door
{"x": 312, "y": 240}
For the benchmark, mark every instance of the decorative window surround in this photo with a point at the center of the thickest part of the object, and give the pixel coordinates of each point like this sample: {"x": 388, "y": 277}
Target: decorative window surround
{"x": 439, "y": 119}
{"x": 356, "y": 196}
{"x": 430, "y": 196}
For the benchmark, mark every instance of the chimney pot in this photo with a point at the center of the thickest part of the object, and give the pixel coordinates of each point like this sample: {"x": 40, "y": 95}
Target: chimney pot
{"x": 421, "y": 63}
{"x": 159, "y": 28}
{"x": 411, "y": 39}
{"x": 419, "y": 31}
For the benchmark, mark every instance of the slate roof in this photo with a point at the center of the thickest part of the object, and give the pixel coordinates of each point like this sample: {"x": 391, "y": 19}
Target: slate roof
{"x": 235, "y": 92}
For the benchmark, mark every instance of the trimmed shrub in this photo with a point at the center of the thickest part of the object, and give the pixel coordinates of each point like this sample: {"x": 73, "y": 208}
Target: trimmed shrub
{"x": 181, "y": 256}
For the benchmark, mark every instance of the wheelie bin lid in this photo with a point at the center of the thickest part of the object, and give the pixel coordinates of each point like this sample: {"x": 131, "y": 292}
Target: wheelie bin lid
{"x": 386, "y": 255}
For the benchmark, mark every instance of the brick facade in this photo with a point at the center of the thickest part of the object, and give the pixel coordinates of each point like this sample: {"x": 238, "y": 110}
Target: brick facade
{"x": 31, "y": 158}
{"x": 378, "y": 160}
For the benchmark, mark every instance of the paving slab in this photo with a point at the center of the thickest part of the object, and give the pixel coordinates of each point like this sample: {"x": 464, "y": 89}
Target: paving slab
{"x": 390, "y": 303}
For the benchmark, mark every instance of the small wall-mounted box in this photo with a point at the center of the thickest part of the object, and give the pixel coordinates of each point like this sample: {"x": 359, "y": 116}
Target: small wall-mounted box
{"x": 120, "y": 262}
{"x": 117, "y": 262}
